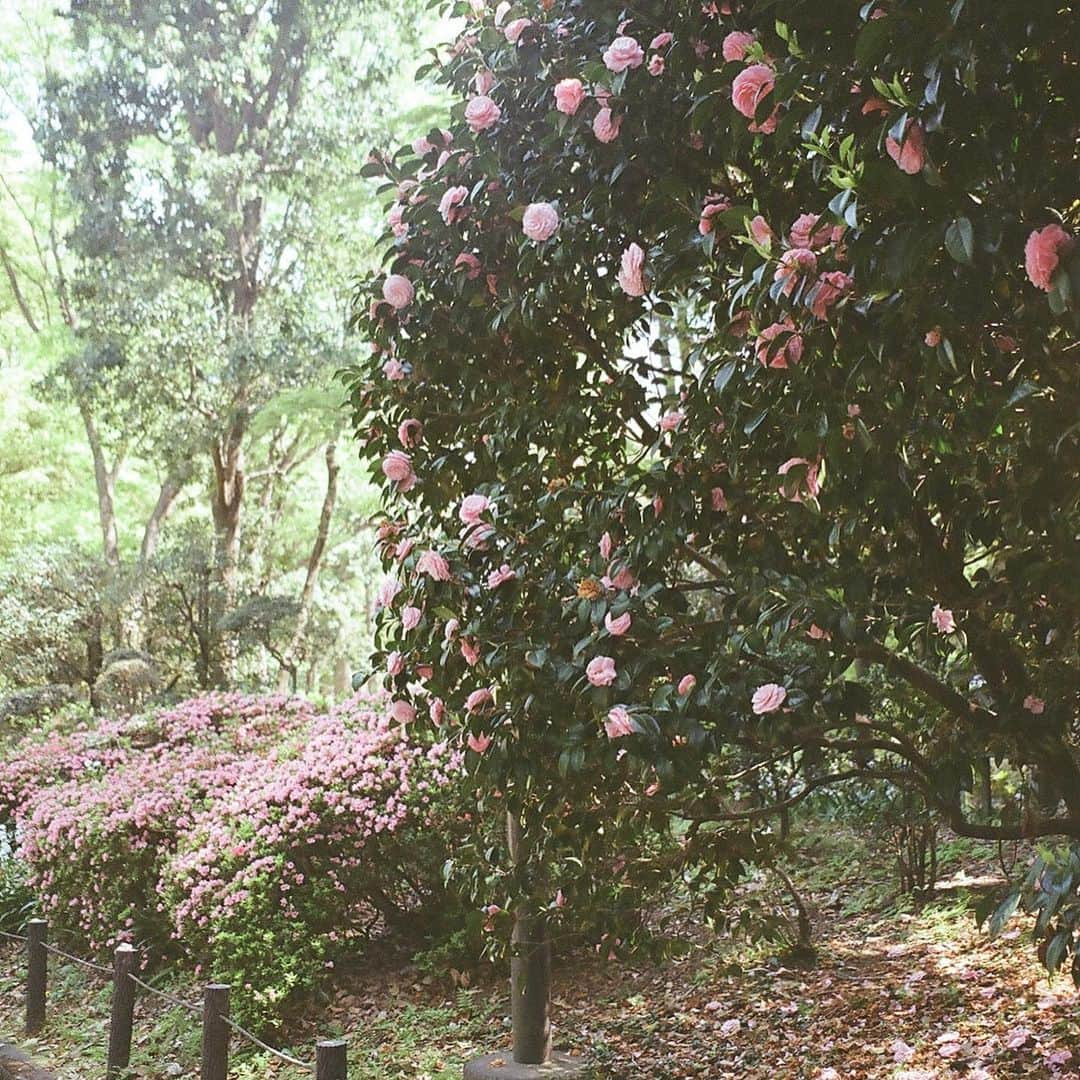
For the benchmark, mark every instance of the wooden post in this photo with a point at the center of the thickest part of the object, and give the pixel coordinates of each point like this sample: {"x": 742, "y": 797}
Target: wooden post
{"x": 37, "y": 967}
{"x": 215, "y": 1033}
{"x": 122, "y": 1015}
{"x": 331, "y": 1060}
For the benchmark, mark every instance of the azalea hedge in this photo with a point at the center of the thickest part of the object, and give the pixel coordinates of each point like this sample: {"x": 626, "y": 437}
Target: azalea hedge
{"x": 256, "y": 837}
{"x": 723, "y": 378}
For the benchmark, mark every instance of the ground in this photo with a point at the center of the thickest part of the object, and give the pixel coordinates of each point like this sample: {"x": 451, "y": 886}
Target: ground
{"x": 899, "y": 992}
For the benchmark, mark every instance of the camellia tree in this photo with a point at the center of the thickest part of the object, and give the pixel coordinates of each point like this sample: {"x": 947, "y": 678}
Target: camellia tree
{"x": 724, "y": 381}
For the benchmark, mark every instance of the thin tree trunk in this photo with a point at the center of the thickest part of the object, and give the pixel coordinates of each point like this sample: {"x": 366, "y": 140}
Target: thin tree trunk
{"x": 105, "y": 480}
{"x": 318, "y": 550}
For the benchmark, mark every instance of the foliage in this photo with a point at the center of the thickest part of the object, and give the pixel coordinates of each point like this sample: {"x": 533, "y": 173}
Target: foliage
{"x": 721, "y": 424}
{"x": 254, "y": 835}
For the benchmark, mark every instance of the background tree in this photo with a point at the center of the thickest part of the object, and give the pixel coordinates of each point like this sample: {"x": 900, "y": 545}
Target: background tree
{"x": 724, "y": 387}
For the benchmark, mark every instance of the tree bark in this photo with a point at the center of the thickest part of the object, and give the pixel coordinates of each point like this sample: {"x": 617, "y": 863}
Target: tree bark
{"x": 105, "y": 480}
{"x": 318, "y": 550}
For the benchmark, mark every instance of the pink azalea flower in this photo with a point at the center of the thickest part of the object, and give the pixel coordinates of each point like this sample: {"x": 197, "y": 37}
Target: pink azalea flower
{"x": 1043, "y": 252}
{"x": 569, "y": 94}
{"x": 398, "y": 291}
{"x": 618, "y": 723}
{"x": 540, "y": 221}
{"x": 617, "y": 626}
{"x": 632, "y": 273}
{"x": 600, "y": 671}
{"x": 943, "y": 620}
{"x": 768, "y": 698}
{"x": 623, "y": 53}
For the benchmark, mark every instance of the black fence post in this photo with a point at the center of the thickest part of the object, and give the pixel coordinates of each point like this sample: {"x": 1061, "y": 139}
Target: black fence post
{"x": 122, "y": 1016}
{"x": 215, "y": 1033}
{"x": 331, "y": 1061}
{"x": 37, "y": 967}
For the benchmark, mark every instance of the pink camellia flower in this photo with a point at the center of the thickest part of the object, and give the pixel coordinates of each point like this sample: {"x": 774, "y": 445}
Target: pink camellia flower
{"x": 815, "y": 633}
{"x": 751, "y": 86}
{"x": 768, "y": 698}
{"x": 686, "y": 684}
{"x": 714, "y": 204}
{"x": 1034, "y": 705}
{"x": 450, "y": 204}
{"x": 569, "y": 94}
{"x": 482, "y": 113}
{"x": 617, "y": 626}
{"x": 450, "y": 629}
{"x": 811, "y": 485}
{"x": 483, "y": 81}
{"x": 618, "y": 723}
{"x": 875, "y": 104}
{"x": 829, "y": 288}
{"x": 804, "y": 235}
{"x": 404, "y": 548}
{"x": 670, "y": 421}
{"x": 388, "y": 588}
{"x": 434, "y": 565}
{"x": 479, "y": 699}
{"x": 656, "y": 65}
{"x": 606, "y": 546}
{"x": 472, "y": 508}
{"x": 500, "y": 576}
{"x": 623, "y": 578}
{"x": 398, "y": 291}
{"x": 515, "y": 29}
{"x": 397, "y": 468}
{"x": 560, "y": 899}
{"x": 437, "y": 710}
{"x": 401, "y": 712}
{"x": 662, "y": 40}
{"x": 478, "y": 743}
{"x": 422, "y": 146}
{"x": 606, "y": 126}
{"x": 736, "y": 44}
{"x": 795, "y": 263}
{"x": 933, "y": 337}
{"x": 658, "y": 504}
{"x": 1043, "y": 252}
{"x": 791, "y": 352}
{"x": 471, "y": 263}
{"x": 395, "y": 664}
{"x": 760, "y": 231}
{"x": 719, "y": 499}
{"x": 410, "y": 431}
{"x": 632, "y": 275}
{"x": 469, "y": 652}
{"x": 540, "y": 221}
{"x": 623, "y": 53}
{"x": 410, "y": 617}
{"x": 394, "y": 369}
{"x": 943, "y": 620}
{"x": 394, "y": 219}
{"x": 476, "y": 537}
{"x": 600, "y": 671}
{"x": 911, "y": 156}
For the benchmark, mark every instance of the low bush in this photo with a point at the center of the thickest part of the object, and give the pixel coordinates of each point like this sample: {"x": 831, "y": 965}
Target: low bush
{"x": 256, "y": 836}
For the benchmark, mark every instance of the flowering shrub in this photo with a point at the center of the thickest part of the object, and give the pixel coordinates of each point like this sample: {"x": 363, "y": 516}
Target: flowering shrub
{"x": 254, "y": 835}
{"x": 727, "y": 415}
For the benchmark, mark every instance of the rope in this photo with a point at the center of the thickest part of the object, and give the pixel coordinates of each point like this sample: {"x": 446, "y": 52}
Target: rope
{"x": 269, "y": 1049}
{"x": 165, "y": 997}
{"x": 11, "y": 937}
{"x": 88, "y": 964}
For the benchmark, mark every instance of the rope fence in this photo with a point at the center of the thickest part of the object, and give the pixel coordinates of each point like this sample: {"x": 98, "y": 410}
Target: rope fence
{"x": 331, "y": 1062}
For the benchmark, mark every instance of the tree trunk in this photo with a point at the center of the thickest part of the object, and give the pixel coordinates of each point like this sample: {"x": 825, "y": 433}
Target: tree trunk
{"x": 307, "y": 595}
{"x": 105, "y": 480}
{"x": 227, "y": 502}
